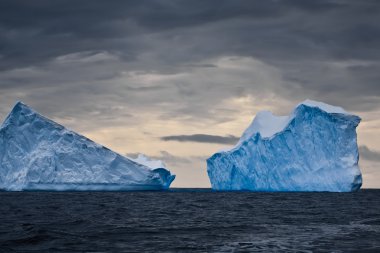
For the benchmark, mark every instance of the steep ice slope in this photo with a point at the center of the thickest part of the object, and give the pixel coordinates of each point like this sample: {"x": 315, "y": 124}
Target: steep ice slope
{"x": 39, "y": 154}
{"x": 313, "y": 149}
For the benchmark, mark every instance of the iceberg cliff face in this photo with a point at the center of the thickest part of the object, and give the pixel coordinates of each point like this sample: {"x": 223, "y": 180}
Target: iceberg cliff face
{"x": 313, "y": 149}
{"x": 39, "y": 154}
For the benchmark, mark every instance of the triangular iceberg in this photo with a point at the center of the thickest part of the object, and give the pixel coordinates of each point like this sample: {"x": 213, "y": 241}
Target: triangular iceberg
{"x": 38, "y": 154}
{"x": 313, "y": 149}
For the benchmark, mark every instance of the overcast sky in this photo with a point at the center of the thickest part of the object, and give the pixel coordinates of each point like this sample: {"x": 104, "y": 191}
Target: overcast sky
{"x": 178, "y": 79}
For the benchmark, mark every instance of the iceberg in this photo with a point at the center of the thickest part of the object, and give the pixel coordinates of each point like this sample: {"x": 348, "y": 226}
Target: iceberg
{"x": 38, "y": 154}
{"x": 151, "y": 163}
{"x": 313, "y": 149}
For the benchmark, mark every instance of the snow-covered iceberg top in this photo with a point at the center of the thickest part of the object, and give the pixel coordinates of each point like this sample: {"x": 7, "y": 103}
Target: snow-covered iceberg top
{"x": 312, "y": 149}
{"x": 268, "y": 125}
{"x": 38, "y": 154}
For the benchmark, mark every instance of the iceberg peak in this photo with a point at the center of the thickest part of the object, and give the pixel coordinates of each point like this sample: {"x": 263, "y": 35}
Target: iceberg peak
{"x": 323, "y": 106}
{"x": 21, "y": 107}
{"x": 17, "y": 109}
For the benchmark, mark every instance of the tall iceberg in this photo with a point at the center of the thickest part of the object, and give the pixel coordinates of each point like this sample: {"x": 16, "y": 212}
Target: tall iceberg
{"x": 39, "y": 154}
{"x": 313, "y": 149}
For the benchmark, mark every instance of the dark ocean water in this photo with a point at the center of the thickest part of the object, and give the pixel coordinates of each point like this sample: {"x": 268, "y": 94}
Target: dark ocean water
{"x": 189, "y": 221}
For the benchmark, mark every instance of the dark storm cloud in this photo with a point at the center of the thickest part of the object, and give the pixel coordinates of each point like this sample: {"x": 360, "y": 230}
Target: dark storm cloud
{"x": 47, "y": 51}
{"x": 368, "y": 154}
{"x": 203, "y": 138}
{"x": 33, "y": 32}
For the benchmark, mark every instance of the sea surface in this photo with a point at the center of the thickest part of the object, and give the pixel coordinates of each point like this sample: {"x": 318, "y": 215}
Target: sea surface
{"x": 189, "y": 220}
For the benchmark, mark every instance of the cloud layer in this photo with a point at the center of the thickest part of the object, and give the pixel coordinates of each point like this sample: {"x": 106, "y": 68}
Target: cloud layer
{"x": 202, "y": 138}
{"x": 368, "y": 154}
